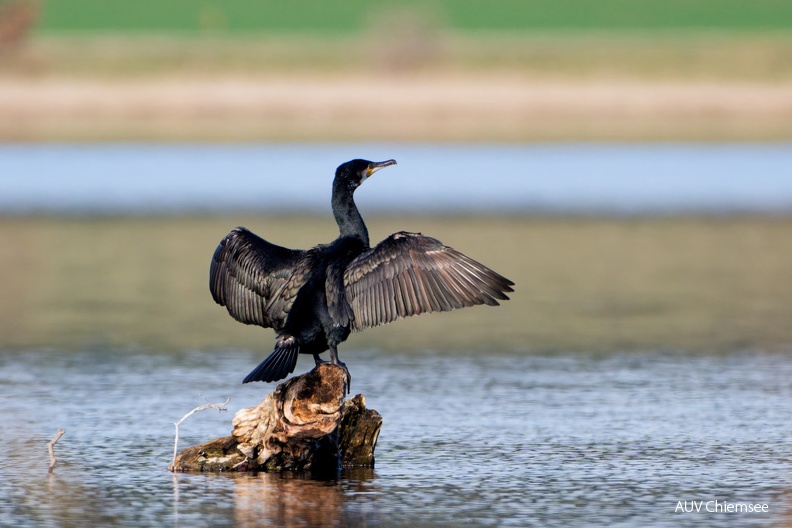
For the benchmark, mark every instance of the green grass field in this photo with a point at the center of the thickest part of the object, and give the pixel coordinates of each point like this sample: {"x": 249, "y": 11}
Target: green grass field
{"x": 465, "y": 15}
{"x": 687, "y": 39}
{"x": 635, "y": 63}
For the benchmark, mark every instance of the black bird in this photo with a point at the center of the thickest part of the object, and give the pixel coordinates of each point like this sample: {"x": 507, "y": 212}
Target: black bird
{"x": 314, "y": 298}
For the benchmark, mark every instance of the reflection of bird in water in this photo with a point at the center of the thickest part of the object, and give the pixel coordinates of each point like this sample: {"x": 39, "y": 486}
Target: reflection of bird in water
{"x": 314, "y": 298}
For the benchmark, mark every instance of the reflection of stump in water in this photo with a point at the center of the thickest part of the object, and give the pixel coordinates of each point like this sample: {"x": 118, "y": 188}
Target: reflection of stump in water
{"x": 288, "y": 499}
{"x": 305, "y": 424}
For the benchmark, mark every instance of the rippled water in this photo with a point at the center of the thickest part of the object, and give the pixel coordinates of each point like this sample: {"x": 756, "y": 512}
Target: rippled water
{"x": 495, "y": 440}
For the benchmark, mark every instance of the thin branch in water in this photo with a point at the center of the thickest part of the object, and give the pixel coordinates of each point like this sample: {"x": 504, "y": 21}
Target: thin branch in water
{"x": 50, "y": 446}
{"x": 235, "y": 466}
{"x": 219, "y": 406}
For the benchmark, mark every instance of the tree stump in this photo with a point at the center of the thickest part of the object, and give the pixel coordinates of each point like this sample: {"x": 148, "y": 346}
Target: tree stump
{"x": 305, "y": 424}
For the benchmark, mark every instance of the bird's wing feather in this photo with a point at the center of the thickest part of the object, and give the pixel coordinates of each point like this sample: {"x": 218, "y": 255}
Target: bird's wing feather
{"x": 337, "y": 306}
{"x": 255, "y": 280}
{"x": 409, "y": 274}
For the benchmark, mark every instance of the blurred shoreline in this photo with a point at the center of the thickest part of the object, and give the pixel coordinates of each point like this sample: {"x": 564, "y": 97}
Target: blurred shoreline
{"x": 626, "y": 87}
{"x": 598, "y": 284}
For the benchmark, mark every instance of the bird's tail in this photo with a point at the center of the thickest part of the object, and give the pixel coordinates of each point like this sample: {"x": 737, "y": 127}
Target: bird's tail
{"x": 279, "y": 364}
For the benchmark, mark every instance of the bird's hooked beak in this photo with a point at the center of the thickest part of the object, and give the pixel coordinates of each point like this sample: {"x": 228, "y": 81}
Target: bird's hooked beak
{"x": 377, "y": 165}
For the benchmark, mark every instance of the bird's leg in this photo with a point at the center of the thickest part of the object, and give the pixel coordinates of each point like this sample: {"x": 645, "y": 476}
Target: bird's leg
{"x": 334, "y": 357}
{"x": 318, "y": 360}
{"x": 335, "y": 361}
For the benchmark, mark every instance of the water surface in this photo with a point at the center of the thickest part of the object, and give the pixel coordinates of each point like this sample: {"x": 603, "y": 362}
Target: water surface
{"x": 641, "y": 362}
{"x": 600, "y": 178}
{"x": 484, "y": 440}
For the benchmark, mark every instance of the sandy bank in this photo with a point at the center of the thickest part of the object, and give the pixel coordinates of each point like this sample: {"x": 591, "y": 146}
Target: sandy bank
{"x": 368, "y": 107}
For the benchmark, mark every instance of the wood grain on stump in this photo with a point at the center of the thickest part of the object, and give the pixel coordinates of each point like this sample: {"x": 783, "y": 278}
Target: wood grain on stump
{"x": 305, "y": 424}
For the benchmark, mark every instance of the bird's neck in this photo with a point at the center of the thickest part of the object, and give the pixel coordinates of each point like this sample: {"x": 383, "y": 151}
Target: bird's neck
{"x": 347, "y": 216}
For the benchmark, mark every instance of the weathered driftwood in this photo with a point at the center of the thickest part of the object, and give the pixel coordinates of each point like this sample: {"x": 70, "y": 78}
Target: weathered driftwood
{"x": 51, "y": 449}
{"x": 305, "y": 424}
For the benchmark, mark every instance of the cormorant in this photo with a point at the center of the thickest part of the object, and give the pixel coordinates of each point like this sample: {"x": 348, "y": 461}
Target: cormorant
{"x": 314, "y": 298}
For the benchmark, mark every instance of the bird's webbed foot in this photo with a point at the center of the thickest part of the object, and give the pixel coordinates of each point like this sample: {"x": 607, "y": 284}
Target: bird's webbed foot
{"x": 348, "y": 378}
{"x": 335, "y": 361}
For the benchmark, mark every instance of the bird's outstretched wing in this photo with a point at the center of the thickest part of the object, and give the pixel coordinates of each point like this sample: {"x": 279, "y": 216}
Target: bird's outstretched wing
{"x": 255, "y": 280}
{"x": 409, "y": 274}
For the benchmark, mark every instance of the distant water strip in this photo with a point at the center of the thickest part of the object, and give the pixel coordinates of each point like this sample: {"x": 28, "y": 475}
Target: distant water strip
{"x": 430, "y": 178}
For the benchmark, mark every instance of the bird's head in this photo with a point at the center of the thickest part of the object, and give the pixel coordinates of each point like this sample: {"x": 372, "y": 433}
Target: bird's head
{"x": 352, "y": 173}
